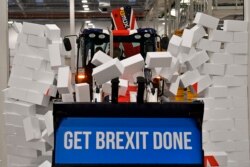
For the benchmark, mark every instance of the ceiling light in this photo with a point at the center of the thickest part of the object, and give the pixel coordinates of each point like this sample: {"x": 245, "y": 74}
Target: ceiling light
{"x": 84, "y": 1}
{"x": 86, "y": 9}
{"x": 88, "y": 21}
{"x": 10, "y": 22}
{"x": 173, "y": 12}
{"x": 90, "y": 24}
{"x": 85, "y": 6}
{"x": 163, "y": 23}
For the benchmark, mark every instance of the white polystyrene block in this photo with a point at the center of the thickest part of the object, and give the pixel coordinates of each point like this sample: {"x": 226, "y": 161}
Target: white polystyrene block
{"x": 203, "y": 83}
{"x": 239, "y": 102}
{"x": 82, "y": 92}
{"x": 43, "y": 76}
{"x": 22, "y": 151}
{"x": 241, "y": 37}
{"x": 100, "y": 58}
{"x": 227, "y": 146}
{"x": 52, "y": 32}
{"x": 213, "y": 69}
{"x": 192, "y": 36}
{"x": 21, "y": 71}
{"x": 239, "y": 113}
{"x": 152, "y": 97}
{"x": 20, "y": 160}
{"x": 37, "y": 98}
{"x": 158, "y": 59}
{"x": 108, "y": 71}
{"x": 217, "y": 114}
{"x": 236, "y": 70}
{"x": 206, "y": 20}
{"x": 32, "y": 129}
{"x": 19, "y": 107}
{"x": 27, "y": 50}
{"x": 131, "y": 66}
{"x": 208, "y": 45}
{"x": 13, "y": 118}
{"x": 34, "y": 29}
{"x": 22, "y": 38}
{"x": 218, "y": 91}
{"x": 28, "y": 61}
{"x": 212, "y": 103}
{"x": 37, "y": 41}
{"x": 219, "y": 135}
{"x": 205, "y": 136}
{"x": 55, "y": 57}
{"x": 229, "y": 81}
{"x": 183, "y": 56}
{"x": 48, "y": 117}
{"x": 16, "y": 93}
{"x": 221, "y": 36}
{"x": 64, "y": 80}
{"x": 197, "y": 60}
{"x": 174, "y": 45}
{"x": 38, "y": 145}
{"x": 98, "y": 97}
{"x": 237, "y": 91}
{"x": 106, "y": 87}
{"x": 198, "y": 32}
{"x": 190, "y": 78}
{"x": 45, "y": 164}
{"x": 236, "y": 48}
{"x": 17, "y": 27}
{"x": 68, "y": 97}
{"x": 235, "y": 25}
{"x": 220, "y": 157}
{"x": 173, "y": 89}
{"x": 123, "y": 86}
{"x": 242, "y": 145}
{"x": 240, "y": 59}
{"x": 168, "y": 73}
{"x": 224, "y": 124}
{"x": 221, "y": 58}
{"x": 239, "y": 156}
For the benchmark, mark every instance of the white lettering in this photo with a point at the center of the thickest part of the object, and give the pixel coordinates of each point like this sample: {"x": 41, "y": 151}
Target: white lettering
{"x": 68, "y": 140}
{"x": 157, "y": 140}
{"x": 119, "y": 140}
{"x": 110, "y": 140}
{"x": 77, "y": 140}
{"x": 100, "y": 143}
{"x": 144, "y": 140}
{"x": 130, "y": 140}
{"x": 187, "y": 141}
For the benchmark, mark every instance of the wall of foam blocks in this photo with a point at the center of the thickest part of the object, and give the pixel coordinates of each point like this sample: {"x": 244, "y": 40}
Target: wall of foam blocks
{"x": 28, "y": 121}
{"x": 224, "y": 92}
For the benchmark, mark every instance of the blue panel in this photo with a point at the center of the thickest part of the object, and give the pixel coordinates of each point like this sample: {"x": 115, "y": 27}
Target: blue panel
{"x": 128, "y": 141}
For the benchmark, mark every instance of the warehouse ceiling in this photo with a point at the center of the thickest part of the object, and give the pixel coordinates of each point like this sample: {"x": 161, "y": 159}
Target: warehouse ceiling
{"x": 59, "y": 9}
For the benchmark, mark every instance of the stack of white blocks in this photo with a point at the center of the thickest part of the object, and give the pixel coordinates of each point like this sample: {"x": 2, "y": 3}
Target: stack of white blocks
{"x": 29, "y": 133}
{"x": 218, "y": 65}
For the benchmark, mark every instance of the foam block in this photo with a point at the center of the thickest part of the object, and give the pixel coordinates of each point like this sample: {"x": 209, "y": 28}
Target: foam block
{"x": 217, "y": 114}
{"x": 229, "y": 81}
{"x": 19, "y": 107}
{"x": 239, "y": 156}
{"x": 208, "y": 45}
{"x": 219, "y": 146}
{"x": 131, "y": 66}
{"x": 240, "y": 59}
{"x": 108, "y": 71}
{"x": 67, "y": 97}
{"x": 219, "y": 135}
{"x": 45, "y": 164}
{"x": 221, "y": 36}
{"x": 43, "y": 76}
{"x": 16, "y": 93}
{"x": 34, "y": 29}
{"x": 197, "y": 59}
{"x": 37, "y": 98}
{"x": 225, "y": 124}
{"x": 37, "y": 41}
{"x": 221, "y": 157}
{"x": 203, "y": 83}
{"x": 17, "y": 160}
{"x": 236, "y": 70}
{"x": 217, "y": 103}
{"x": 52, "y": 32}
{"x": 64, "y": 80}
{"x": 123, "y": 86}
{"x": 13, "y": 119}
{"x": 242, "y": 145}
{"x": 27, "y": 61}
{"x": 82, "y": 92}
{"x": 106, "y": 87}
{"x": 48, "y": 117}
{"x": 32, "y": 128}
{"x": 190, "y": 78}
{"x": 241, "y": 37}
{"x": 21, "y": 71}
{"x": 221, "y": 58}
{"x": 23, "y": 152}
{"x": 22, "y": 38}
{"x": 54, "y": 55}
{"x": 173, "y": 89}
{"x": 27, "y": 50}
{"x": 218, "y": 91}
{"x": 174, "y": 45}
{"x": 236, "y": 48}
{"x": 168, "y": 73}
{"x": 18, "y": 27}
{"x": 100, "y": 58}
{"x": 192, "y": 36}
{"x": 213, "y": 69}
{"x": 158, "y": 59}
{"x": 237, "y": 91}
{"x": 235, "y": 25}
{"x": 206, "y": 20}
